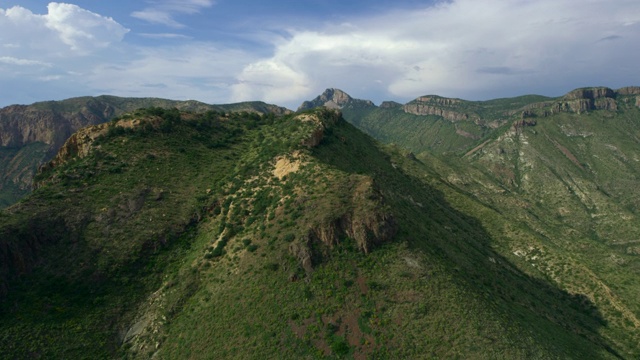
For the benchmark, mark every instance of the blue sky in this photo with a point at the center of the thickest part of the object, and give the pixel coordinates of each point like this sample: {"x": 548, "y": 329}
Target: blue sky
{"x": 285, "y": 52}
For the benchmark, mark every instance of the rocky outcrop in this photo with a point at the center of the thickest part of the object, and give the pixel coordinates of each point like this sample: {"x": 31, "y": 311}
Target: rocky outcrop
{"x": 368, "y": 231}
{"x": 629, "y": 90}
{"x": 438, "y": 106}
{"x": 79, "y": 144}
{"x": 577, "y": 101}
{"x": 587, "y": 99}
{"x": 321, "y": 121}
{"x": 333, "y": 99}
{"x": 422, "y": 109}
{"x": 584, "y": 105}
{"x": 522, "y": 123}
{"x": 365, "y": 220}
{"x": 590, "y": 93}
{"x": 301, "y": 251}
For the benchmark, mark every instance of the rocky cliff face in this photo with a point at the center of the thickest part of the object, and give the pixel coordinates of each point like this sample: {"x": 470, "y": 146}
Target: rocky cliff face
{"x": 25, "y": 126}
{"x": 21, "y": 125}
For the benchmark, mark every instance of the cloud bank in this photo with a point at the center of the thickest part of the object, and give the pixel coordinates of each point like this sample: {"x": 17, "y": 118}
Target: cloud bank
{"x": 473, "y": 49}
{"x": 464, "y": 48}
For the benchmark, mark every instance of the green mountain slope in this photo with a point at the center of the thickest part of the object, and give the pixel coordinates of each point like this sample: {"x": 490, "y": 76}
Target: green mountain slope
{"x": 561, "y": 175}
{"x": 210, "y": 235}
{"x": 31, "y": 135}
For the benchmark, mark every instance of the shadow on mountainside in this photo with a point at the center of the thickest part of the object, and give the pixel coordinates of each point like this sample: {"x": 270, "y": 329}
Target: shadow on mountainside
{"x": 429, "y": 224}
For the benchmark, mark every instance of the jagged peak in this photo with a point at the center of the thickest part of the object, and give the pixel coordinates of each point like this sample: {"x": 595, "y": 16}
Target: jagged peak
{"x": 334, "y": 99}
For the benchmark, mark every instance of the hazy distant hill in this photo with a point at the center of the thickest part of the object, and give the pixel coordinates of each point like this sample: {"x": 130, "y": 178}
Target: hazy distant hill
{"x": 32, "y": 134}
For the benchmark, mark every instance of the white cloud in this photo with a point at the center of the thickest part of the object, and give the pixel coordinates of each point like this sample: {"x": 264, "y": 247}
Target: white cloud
{"x": 23, "y": 62}
{"x": 81, "y": 29}
{"x": 43, "y": 48}
{"x": 65, "y": 27}
{"x": 465, "y": 48}
{"x": 164, "y": 11}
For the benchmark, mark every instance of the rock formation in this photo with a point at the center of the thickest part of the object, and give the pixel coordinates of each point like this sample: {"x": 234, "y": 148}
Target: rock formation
{"x": 438, "y": 106}
{"x": 321, "y": 123}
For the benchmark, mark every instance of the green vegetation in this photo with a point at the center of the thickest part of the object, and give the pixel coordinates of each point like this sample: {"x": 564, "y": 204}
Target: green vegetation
{"x": 235, "y": 228}
{"x": 15, "y": 183}
{"x": 556, "y": 195}
{"x": 50, "y": 123}
{"x": 222, "y": 234}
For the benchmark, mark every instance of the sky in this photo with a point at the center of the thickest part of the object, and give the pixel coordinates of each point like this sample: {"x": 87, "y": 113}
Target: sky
{"x": 285, "y": 51}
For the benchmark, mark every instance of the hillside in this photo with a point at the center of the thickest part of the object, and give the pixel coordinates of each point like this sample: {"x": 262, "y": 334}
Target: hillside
{"x": 173, "y": 234}
{"x": 32, "y": 134}
{"x": 562, "y": 174}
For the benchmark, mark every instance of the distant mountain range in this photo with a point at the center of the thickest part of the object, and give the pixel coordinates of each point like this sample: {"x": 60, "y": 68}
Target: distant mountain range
{"x": 475, "y": 229}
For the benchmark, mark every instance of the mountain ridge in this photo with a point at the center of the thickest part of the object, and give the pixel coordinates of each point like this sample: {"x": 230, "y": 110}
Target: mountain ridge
{"x": 32, "y": 134}
{"x": 292, "y": 237}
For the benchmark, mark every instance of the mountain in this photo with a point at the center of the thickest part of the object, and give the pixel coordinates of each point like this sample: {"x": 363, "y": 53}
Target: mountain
{"x": 334, "y": 99}
{"x": 32, "y": 134}
{"x": 173, "y": 234}
{"x": 561, "y": 172}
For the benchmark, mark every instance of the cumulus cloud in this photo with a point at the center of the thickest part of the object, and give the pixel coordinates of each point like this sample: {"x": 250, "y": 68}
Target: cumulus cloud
{"x": 44, "y": 48}
{"x": 465, "y": 48}
{"x": 164, "y": 11}
{"x": 65, "y": 26}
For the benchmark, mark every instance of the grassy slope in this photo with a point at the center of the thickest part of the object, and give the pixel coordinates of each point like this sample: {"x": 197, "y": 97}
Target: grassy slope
{"x": 184, "y": 231}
